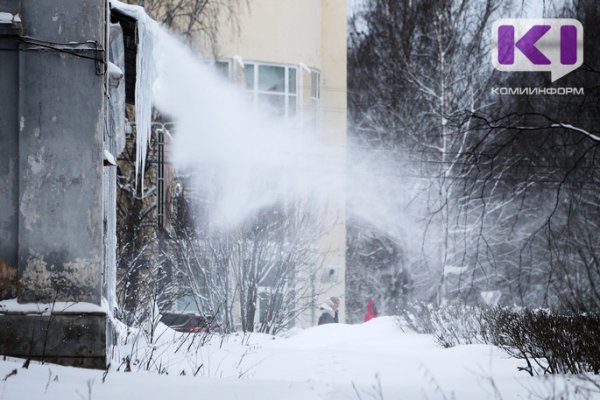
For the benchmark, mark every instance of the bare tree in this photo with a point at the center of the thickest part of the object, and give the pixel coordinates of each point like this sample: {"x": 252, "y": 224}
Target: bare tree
{"x": 197, "y": 20}
{"x": 380, "y": 272}
{"x": 265, "y": 265}
{"x": 145, "y": 251}
{"x": 510, "y": 180}
{"x": 547, "y": 146}
{"x": 418, "y": 66}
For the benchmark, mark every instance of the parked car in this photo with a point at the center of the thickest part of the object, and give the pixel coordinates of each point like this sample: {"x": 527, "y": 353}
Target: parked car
{"x": 187, "y": 322}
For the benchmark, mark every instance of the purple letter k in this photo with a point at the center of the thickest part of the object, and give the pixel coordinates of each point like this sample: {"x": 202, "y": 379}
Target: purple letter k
{"x": 506, "y": 44}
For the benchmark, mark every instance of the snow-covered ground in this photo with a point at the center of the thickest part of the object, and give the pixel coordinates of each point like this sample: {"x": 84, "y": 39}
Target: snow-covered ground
{"x": 375, "y": 360}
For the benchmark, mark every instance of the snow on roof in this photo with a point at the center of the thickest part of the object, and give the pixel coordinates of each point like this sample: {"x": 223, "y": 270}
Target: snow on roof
{"x": 13, "y": 306}
{"x": 6, "y": 18}
{"x": 146, "y": 29}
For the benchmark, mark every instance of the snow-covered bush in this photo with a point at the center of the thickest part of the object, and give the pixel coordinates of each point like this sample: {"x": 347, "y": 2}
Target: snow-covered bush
{"x": 449, "y": 324}
{"x": 549, "y": 342}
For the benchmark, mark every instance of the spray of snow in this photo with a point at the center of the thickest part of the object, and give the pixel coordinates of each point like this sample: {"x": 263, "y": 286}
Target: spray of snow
{"x": 244, "y": 158}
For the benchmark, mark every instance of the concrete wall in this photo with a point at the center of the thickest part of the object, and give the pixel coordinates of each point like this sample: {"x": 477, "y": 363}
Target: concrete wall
{"x": 70, "y": 339}
{"x": 51, "y": 167}
{"x": 61, "y": 109}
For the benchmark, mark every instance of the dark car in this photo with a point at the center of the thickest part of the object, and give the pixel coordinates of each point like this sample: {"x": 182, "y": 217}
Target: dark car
{"x": 188, "y": 322}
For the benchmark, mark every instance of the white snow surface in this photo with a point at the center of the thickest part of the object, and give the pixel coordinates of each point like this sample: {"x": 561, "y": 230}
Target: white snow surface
{"x": 13, "y": 306}
{"x": 334, "y": 361}
{"x": 6, "y": 18}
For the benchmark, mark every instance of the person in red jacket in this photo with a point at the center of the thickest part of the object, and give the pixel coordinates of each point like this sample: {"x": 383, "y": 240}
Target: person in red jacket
{"x": 371, "y": 311}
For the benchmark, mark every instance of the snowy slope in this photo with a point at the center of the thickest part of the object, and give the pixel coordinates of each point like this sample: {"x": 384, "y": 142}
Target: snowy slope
{"x": 326, "y": 362}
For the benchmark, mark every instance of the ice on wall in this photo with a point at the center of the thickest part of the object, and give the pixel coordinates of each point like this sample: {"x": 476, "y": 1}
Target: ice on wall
{"x": 145, "y": 78}
{"x": 117, "y": 93}
{"x": 114, "y": 144}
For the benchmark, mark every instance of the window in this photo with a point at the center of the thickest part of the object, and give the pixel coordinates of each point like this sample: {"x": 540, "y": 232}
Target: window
{"x": 273, "y": 87}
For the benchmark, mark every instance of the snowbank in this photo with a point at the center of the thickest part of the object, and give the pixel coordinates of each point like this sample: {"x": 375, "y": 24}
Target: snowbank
{"x": 375, "y": 360}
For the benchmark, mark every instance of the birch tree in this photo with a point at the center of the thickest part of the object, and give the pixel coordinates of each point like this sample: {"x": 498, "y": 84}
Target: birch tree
{"x": 511, "y": 179}
{"x": 422, "y": 66}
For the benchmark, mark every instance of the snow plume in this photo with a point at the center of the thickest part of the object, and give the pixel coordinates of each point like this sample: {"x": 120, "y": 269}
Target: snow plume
{"x": 145, "y": 71}
{"x": 241, "y": 158}
{"x": 386, "y": 192}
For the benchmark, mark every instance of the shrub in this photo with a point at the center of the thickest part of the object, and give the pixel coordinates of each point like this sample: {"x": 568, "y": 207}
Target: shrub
{"x": 548, "y": 342}
{"x": 450, "y": 324}
{"x": 553, "y": 342}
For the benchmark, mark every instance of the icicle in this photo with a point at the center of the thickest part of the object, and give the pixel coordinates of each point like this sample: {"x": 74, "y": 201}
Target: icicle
{"x": 145, "y": 71}
{"x": 143, "y": 94}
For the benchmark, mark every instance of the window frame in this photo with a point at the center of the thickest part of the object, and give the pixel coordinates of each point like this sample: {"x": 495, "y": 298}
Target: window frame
{"x": 318, "y": 85}
{"x": 287, "y": 94}
{"x": 314, "y": 99}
